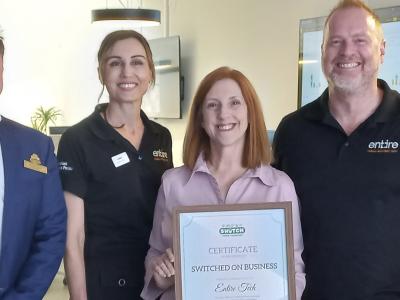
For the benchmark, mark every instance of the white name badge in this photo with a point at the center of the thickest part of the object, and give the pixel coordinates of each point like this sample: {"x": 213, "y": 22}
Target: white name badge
{"x": 120, "y": 159}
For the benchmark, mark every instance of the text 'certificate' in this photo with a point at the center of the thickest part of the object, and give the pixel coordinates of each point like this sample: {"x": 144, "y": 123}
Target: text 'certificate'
{"x": 241, "y": 252}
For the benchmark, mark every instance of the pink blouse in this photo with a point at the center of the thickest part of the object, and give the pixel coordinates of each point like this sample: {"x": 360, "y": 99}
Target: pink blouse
{"x": 181, "y": 186}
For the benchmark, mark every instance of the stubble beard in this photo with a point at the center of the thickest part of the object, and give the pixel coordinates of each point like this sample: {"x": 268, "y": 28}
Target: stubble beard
{"x": 350, "y": 85}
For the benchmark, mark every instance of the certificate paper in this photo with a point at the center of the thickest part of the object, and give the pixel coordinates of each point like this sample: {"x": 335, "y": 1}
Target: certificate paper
{"x": 236, "y": 252}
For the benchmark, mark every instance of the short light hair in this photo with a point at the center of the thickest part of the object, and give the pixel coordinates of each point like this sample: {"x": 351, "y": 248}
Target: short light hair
{"x": 343, "y": 4}
{"x": 256, "y": 148}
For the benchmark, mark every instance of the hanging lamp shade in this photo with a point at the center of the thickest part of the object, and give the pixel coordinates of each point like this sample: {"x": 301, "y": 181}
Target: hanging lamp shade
{"x": 142, "y": 17}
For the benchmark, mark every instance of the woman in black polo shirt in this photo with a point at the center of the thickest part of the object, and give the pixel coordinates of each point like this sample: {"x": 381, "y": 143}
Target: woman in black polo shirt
{"x": 111, "y": 165}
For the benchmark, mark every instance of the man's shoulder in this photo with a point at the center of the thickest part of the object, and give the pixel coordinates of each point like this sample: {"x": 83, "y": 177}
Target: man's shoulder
{"x": 19, "y": 131}
{"x": 308, "y": 112}
{"x": 391, "y": 96}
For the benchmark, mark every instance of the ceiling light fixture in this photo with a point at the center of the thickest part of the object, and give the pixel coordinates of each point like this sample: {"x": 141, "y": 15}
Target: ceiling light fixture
{"x": 140, "y": 17}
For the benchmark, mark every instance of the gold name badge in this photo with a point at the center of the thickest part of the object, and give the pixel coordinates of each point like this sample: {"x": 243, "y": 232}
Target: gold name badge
{"x": 35, "y": 164}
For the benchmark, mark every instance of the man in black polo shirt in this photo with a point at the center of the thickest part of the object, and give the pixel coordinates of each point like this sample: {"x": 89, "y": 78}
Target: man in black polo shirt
{"x": 342, "y": 152}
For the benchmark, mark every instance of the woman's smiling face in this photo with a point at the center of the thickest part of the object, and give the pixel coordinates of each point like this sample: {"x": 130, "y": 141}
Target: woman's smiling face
{"x": 224, "y": 114}
{"x": 126, "y": 72}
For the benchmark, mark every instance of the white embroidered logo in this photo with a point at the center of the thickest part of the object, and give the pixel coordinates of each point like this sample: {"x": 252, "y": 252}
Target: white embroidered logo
{"x": 383, "y": 146}
{"x": 160, "y": 155}
{"x": 63, "y": 166}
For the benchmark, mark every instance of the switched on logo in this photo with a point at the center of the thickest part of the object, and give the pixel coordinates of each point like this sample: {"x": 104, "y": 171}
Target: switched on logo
{"x": 232, "y": 230}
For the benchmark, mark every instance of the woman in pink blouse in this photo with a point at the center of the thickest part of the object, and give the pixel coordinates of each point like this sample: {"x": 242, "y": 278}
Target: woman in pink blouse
{"x": 226, "y": 158}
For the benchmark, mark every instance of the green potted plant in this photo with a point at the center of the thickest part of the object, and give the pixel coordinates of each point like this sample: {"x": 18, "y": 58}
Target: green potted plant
{"x": 42, "y": 117}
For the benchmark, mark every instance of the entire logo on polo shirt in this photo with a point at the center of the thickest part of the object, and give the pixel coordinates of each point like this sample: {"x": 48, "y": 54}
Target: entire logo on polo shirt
{"x": 383, "y": 146}
{"x": 160, "y": 155}
{"x": 63, "y": 166}
{"x": 232, "y": 230}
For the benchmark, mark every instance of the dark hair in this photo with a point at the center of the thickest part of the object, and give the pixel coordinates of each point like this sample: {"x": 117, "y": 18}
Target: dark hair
{"x": 119, "y": 35}
{"x": 256, "y": 149}
{"x": 1, "y": 46}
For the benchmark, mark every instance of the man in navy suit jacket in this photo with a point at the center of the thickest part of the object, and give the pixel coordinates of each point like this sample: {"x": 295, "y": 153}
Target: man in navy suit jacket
{"x": 32, "y": 210}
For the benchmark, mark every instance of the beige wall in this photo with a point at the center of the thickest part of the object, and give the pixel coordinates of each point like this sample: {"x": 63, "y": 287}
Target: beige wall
{"x": 51, "y": 52}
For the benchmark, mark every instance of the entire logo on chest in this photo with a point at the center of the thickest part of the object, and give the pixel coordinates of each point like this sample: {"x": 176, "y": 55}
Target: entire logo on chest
{"x": 383, "y": 146}
{"x": 160, "y": 155}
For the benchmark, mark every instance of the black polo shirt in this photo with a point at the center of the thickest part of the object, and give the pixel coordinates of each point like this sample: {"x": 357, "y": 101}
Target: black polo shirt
{"x": 119, "y": 186}
{"x": 349, "y": 192}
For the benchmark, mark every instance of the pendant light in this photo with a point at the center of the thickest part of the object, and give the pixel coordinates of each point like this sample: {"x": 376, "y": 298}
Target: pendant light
{"x": 140, "y": 17}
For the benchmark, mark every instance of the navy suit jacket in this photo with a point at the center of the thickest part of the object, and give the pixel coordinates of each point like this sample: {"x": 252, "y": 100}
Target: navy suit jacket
{"x": 34, "y": 215}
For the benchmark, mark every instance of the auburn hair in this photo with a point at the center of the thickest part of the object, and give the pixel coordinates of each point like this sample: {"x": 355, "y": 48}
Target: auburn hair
{"x": 256, "y": 148}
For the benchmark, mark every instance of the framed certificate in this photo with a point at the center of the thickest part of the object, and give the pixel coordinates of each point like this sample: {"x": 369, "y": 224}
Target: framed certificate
{"x": 241, "y": 251}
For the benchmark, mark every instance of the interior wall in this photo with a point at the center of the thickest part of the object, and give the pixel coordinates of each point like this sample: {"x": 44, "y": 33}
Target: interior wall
{"x": 51, "y": 50}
